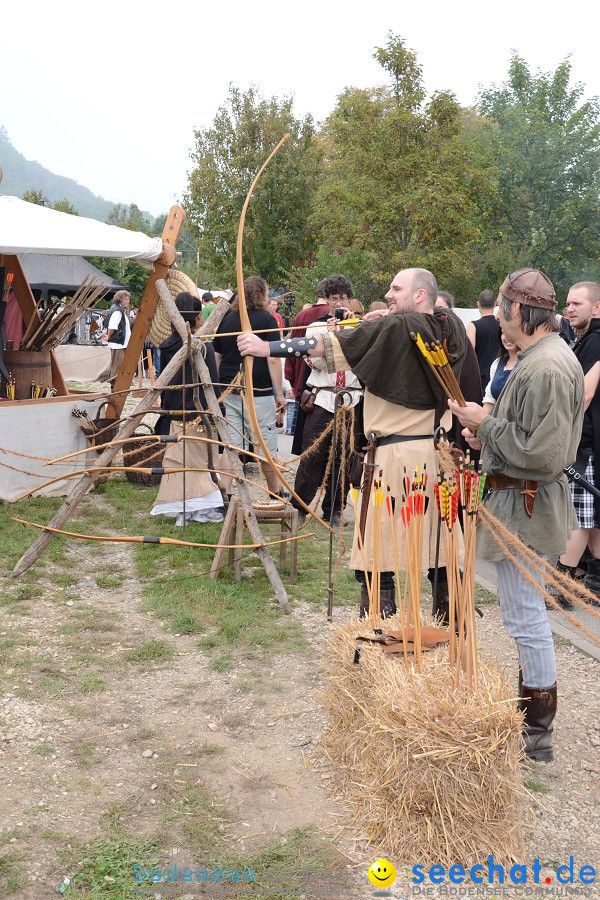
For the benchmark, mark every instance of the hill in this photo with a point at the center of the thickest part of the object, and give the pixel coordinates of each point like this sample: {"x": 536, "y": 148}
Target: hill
{"x": 20, "y": 174}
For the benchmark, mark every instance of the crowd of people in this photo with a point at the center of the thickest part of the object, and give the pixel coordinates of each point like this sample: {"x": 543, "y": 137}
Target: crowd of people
{"x": 531, "y": 385}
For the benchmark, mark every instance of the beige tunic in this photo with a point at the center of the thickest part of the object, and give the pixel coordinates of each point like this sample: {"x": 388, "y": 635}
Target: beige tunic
{"x": 197, "y": 484}
{"x": 384, "y": 419}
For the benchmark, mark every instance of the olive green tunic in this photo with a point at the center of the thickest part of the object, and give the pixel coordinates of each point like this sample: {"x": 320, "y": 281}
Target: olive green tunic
{"x": 533, "y": 433}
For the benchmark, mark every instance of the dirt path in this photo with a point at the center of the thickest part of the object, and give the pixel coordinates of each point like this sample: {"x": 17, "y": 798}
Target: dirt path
{"x": 93, "y": 737}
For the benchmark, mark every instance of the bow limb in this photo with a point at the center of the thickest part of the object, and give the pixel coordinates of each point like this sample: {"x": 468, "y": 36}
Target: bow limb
{"x": 246, "y": 327}
{"x": 145, "y": 470}
{"x": 141, "y": 539}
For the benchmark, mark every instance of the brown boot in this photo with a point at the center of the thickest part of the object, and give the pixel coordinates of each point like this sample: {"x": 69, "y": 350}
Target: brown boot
{"x": 539, "y": 706}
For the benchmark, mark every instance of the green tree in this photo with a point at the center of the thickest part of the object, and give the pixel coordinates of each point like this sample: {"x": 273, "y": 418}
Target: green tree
{"x": 226, "y": 158}
{"x": 126, "y": 271}
{"x": 400, "y": 180}
{"x": 34, "y": 196}
{"x": 545, "y": 142}
{"x": 355, "y": 263}
{"x": 65, "y": 206}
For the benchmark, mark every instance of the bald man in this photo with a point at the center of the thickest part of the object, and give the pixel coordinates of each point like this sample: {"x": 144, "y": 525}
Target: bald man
{"x": 403, "y": 405}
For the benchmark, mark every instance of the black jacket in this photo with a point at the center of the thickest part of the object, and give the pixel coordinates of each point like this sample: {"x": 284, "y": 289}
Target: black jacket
{"x": 181, "y": 399}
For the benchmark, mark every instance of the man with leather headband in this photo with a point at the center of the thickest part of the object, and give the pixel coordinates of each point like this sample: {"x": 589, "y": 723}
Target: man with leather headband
{"x": 532, "y": 433}
{"x": 403, "y": 405}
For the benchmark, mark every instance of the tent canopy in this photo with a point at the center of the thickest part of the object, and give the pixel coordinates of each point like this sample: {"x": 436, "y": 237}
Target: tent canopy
{"x": 29, "y": 228}
{"x": 63, "y": 274}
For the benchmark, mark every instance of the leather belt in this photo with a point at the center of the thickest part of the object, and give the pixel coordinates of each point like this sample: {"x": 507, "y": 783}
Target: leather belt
{"x": 527, "y": 487}
{"x": 400, "y": 438}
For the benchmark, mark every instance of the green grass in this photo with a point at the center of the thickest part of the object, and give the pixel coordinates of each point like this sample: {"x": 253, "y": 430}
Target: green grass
{"x": 536, "y": 786}
{"x": 483, "y": 597}
{"x": 10, "y": 873}
{"x": 112, "y": 856}
{"x": 45, "y": 750}
{"x": 560, "y": 641}
{"x": 85, "y": 753}
{"x": 151, "y": 651}
{"x": 109, "y": 581}
{"x": 91, "y": 684}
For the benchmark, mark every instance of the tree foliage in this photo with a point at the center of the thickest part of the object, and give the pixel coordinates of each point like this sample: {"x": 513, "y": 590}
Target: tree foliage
{"x": 545, "y": 142}
{"x": 400, "y": 181}
{"x": 226, "y": 158}
{"x": 358, "y": 265}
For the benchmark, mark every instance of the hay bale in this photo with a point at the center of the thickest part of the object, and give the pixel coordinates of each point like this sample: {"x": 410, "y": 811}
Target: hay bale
{"x": 431, "y": 773}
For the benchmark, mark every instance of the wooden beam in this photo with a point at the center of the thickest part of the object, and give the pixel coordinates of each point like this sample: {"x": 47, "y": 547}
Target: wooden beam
{"x": 29, "y": 310}
{"x": 148, "y": 305}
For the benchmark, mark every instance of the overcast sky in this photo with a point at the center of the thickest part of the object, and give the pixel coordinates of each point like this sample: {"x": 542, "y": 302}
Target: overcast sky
{"x": 110, "y": 93}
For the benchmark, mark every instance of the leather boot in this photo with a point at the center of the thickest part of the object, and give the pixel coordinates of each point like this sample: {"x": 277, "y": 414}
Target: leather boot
{"x": 440, "y": 608}
{"x": 592, "y": 580}
{"x": 387, "y": 601}
{"x": 539, "y": 706}
{"x": 364, "y": 602}
{"x": 556, "y": 592}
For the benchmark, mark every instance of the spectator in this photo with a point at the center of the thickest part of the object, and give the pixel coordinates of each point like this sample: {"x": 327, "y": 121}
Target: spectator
{"x": 267, "y": 378}
{"x": 118, "y": 332}
{"x": 197, "y": 493}
{"x": 208, "y": 304}
{"x": 484, "y": 335}
{"x": 327, "y": 386}
{"x": 583, "y": 312}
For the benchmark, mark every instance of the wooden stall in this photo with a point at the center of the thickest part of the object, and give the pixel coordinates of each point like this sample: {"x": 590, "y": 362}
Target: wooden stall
{"x": 28, "y": 228}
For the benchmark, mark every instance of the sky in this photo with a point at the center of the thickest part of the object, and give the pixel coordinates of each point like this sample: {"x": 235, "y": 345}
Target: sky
{"x": 110, "y": 94}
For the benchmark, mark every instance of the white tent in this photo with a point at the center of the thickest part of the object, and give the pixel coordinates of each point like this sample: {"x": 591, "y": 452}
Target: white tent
{"x": 29, "y": 228}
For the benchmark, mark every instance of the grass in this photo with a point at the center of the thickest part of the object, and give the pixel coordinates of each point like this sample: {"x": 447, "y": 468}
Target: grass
{"x": 109, "y": 581}
{"x": 85, "y": 753}
{"x": 109, "y": 856}
{"x": 560, "y": 641}
{"x": 91, "y": 684}
{"x": 45, "y": 750}
{"x": 151, "y": 651}
{"x": 10, "y": 873}
{"x": 536, "y": 786}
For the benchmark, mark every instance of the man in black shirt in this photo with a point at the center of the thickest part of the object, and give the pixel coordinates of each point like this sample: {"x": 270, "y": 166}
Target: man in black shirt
{"x": 267, "y": 377}
{"x": 583, "y": 312}
{"x": 484, "y": 334}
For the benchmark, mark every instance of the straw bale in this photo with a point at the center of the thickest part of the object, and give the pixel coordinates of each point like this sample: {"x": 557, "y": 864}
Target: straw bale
{"x": 431, "y": 773}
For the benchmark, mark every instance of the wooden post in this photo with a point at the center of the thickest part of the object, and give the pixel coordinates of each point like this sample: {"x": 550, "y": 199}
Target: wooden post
{"x": 147, "y": 309}
{"x": 86, "y": 482}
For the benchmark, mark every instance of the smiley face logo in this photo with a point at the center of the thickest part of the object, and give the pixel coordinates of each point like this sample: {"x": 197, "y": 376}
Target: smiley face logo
{"x": 382, "y": 873}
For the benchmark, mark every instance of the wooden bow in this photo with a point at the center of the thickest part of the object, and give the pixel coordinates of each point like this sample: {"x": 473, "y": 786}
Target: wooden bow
{"x": 246, "y": 327}
{"x": 141, "y": 539}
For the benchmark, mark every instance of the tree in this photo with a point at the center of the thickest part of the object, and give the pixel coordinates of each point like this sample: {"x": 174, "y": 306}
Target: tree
{"x": 358, "y": 265}
{"x": 400, "y": 181}
{"x": 34, "y": 196}
{"x": 545, "y": 142}
{"x": 127, "y": 271}
{"x": 226, "y": 158}
{"x": 65, "y": 206}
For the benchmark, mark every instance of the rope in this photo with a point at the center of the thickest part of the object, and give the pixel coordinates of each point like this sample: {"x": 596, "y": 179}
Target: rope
{"x": 503, "y": 537}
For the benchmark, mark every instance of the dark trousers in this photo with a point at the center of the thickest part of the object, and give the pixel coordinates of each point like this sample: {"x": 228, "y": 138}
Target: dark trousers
{"x": 312, "y": 467}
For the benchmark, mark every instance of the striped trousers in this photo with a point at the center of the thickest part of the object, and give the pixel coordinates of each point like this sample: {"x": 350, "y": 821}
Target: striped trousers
{"x": 524, "y": 618}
